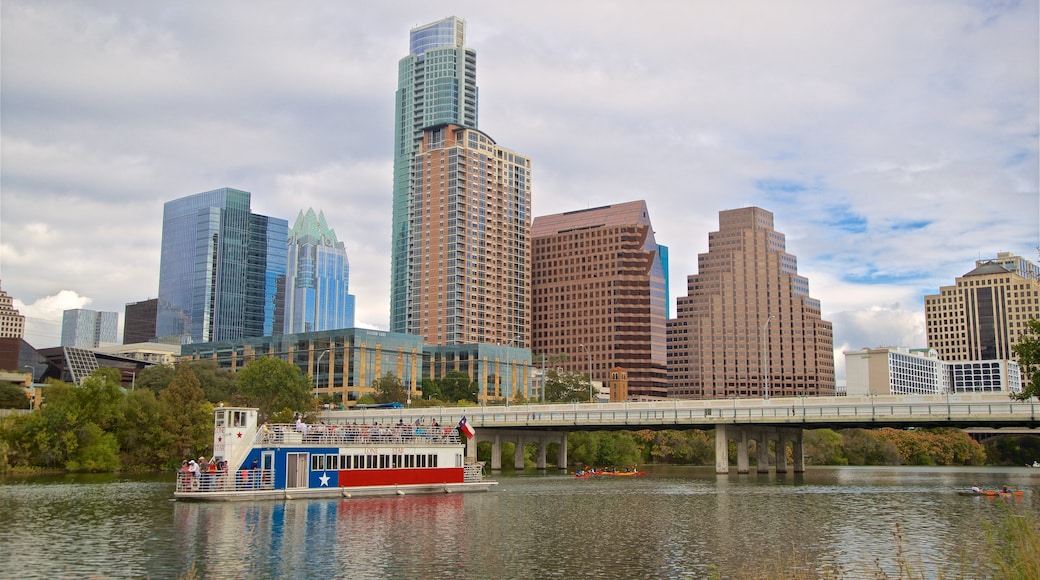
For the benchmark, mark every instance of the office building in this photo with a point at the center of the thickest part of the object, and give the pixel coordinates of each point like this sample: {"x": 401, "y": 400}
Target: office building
{"x": 84, "y": 328}
{"x": 599, "y": 287}
{"x": 982, "y": 315}
{"x": 12, "y": 323}
{"x": 317, "y": 284}
{"x": 139, "y": 321}
{"x": 437, "y": 85}
{"x": 906, "y": 371}
{"x": 748, "y": 327}
{"x": 222, "y": 269}
{"x": 470, "y": 279}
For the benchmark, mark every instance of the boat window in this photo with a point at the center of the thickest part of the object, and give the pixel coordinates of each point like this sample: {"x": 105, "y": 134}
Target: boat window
{"x": 370, "y": 461}
{"x": 433, "y": 460}
{"x": 332, "y": 462}
{"x": 317, "y": 462}
{"x": 344, "y": 461}
{"x": 422, "y": 461}
{"x": 238, "y": 418}
{"x": 384, "y": 462}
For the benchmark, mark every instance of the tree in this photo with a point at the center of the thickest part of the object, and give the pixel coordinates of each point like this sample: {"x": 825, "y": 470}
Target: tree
{"x": 389, "y": 389}
{"x": 155, "y": 378}
{"x": 566, "y": 386}
{"x": 12, "y": 396}
{"x": 1028, "y": 351}
{"x": 272, "y": 384}
{"x": 457, "y": 386}
{"x": 188, "y": 417}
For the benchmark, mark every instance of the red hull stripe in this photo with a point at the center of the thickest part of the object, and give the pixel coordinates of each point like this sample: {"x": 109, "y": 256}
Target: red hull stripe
{"x": 367, "y": 477}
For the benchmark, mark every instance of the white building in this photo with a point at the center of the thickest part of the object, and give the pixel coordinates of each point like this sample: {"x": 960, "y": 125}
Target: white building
{"x": 897, "y": 370}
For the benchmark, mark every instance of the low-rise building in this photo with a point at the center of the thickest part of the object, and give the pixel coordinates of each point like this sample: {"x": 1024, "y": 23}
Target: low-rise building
{"x": 894, "y": 370}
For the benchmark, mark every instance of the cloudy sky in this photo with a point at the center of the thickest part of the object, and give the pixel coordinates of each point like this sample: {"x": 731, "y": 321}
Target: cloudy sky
{"x": 894, "y": 141}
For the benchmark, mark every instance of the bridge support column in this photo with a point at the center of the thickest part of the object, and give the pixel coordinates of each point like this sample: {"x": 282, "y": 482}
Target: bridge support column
{"x": 743, "y": 465}
{"x": 798, "y": 451}
{"x": 496, "y": 453}
{"x": 561, "y": 455}
{"x": 518, "y": 454}
{"x": 721, "y": 450}
{"x": 471, "y": 450}
{"x": 781, "y": 453}
{"x": 540, "y": 457}
{"x": 762, "y": 437}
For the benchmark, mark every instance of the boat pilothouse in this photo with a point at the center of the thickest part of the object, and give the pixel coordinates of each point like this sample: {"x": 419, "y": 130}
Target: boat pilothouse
{"x": 283, "y": 461}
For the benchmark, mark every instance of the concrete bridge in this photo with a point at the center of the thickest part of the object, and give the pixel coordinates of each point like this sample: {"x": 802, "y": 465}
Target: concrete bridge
{"x": 780, "y": 420}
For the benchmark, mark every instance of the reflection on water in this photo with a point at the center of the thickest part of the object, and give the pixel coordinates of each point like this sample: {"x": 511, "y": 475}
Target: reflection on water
{"x": 673, "y": 523}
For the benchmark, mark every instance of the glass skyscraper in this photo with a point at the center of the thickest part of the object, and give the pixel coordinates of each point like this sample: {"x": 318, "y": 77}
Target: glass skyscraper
{"x": 318, "y": 278}
{"x": 437, "y": 85}
{"x": 221, "y": 271}
{"x": 88, "y": 328}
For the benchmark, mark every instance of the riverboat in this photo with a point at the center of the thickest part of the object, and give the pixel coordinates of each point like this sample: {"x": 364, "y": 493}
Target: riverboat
{"x": 287, "y": 461}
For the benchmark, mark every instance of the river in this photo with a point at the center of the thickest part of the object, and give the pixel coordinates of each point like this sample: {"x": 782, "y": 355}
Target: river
{"x": 675, "y": 522}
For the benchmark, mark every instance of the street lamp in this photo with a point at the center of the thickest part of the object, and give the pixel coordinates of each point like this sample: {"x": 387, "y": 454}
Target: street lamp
{"x": 765, "y": 358}
{"x": 317, "y": 369}
{"x": 589, "y": 354}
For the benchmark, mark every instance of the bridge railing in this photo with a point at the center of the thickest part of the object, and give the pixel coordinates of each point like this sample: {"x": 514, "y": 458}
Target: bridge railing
{"x": 801, "y": 410}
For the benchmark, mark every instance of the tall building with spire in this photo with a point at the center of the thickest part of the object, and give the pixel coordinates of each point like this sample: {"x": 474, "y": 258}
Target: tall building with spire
{"x": 748, "y": 327}
{"x": 317, "y": 288}
{"x": 600, "y": 288}
{"x": 221, "y": 269}
{"x": 460, "y": 265}
{"x": 436, "y": 85}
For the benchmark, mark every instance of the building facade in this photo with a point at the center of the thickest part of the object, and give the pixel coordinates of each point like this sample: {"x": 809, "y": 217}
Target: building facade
{"x": 470, "y": 278}
{"x": 748, "y": 327}
{"x": 12, "y": 323}
{"x": 343, "y": 363}
{"x": 139, "y": 321}
{"x": 222, "y": 269}
{"x": 599, "y": 291}
{"x": 983, "y": 314}
{"x": 89, "y": 328}
{"x": 905, "y": 371}
{"x": 317, "y": 288}
{"x": 437, "y": 85}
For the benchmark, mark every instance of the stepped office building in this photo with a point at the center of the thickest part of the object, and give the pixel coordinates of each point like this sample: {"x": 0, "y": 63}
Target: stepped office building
{"x": 460, "y": 271}
{"x": 222, "y": 269}
{"x": 748, "y": 327}
{"x": 600, "y": 293}
{"x": 318, "y": 278}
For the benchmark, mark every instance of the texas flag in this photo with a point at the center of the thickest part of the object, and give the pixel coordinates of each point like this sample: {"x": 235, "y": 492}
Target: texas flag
{"x": 466, "y": 429}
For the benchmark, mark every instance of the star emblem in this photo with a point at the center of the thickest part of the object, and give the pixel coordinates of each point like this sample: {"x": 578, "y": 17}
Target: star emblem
{"x": 324, "y": 480}
{"x": 239, "y": 434}
{"x": 219, "y": 439}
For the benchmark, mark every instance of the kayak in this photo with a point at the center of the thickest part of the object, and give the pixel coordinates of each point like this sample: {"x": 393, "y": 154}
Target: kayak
{"x": 990, "y": 493}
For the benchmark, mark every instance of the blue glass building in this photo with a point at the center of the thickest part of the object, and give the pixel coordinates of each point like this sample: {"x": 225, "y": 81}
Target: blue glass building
{"x": 222, "y": 269}
{"x": 318, "y": 278}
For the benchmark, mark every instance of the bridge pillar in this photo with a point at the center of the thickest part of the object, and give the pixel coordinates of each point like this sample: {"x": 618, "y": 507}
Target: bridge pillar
{"x": 798, "y": 451}
{"x": 781, "y": 452}
{"x": 471, "y": 450}
{"x": 518, "y": 453}
{"x": 762, "y": 437}
{"x": 742, "y": 453}
{"x": 721, "y": 450}
{"x": 561, "y": 457}
{"x": 540, "y": 456}
{"x": 496, "y": 453}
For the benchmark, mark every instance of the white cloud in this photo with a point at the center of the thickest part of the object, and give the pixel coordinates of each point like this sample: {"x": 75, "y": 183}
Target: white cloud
{"x": 895, "y": 142}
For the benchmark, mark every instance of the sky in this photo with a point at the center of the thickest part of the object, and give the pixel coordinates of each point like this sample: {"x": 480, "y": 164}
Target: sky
{"x": 895, "y": 141}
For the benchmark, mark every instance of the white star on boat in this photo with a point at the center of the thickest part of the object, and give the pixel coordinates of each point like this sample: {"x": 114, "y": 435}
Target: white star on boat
{"x": 324, "y": 480}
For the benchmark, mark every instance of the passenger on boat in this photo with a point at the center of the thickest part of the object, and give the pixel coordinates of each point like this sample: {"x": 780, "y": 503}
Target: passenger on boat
{"x": 976, "y": 489}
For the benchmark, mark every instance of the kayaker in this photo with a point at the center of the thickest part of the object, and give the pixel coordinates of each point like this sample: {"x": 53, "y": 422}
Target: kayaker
{"x": 976, "y": 489}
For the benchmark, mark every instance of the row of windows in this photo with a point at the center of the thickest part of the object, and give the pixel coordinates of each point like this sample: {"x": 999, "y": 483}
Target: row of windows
{"x": 336, "y": 462}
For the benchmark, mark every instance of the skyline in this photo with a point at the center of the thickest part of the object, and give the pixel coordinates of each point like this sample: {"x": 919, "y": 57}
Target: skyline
{"x": 894, "y": 142}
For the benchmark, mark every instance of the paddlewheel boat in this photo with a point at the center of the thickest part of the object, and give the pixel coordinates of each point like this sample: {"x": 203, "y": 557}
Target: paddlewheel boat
{"x": 285, "y": 461}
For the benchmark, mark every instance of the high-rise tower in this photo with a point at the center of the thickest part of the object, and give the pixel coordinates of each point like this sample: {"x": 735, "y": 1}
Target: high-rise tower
{"x": 599, "y": 282}
{"x": 747, "y": 327}
{"x": 437, "y": 84}
{"x": 221, "y": 271}
{"x": 88, "y": 328}
{"x": 317, "y": 289}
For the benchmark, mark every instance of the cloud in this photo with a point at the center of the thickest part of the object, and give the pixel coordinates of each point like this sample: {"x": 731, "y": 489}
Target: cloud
{"x": 895, "y": 142}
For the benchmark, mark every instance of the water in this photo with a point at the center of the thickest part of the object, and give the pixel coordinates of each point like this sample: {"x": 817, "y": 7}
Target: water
{"x": 675, "y": 522}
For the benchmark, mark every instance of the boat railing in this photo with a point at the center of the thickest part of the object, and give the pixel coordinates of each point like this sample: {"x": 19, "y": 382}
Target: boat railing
{"x": 473, "y": 472}
{"x": 224, "y": 482}
{"x": 320, "y": 434}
